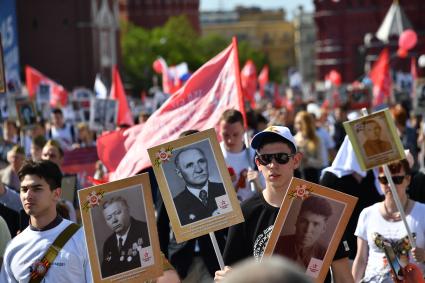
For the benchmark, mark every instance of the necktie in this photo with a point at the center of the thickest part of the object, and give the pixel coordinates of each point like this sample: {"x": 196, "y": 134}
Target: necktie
{"x": 120, "y": 241}
{"x": 203, "y": 195}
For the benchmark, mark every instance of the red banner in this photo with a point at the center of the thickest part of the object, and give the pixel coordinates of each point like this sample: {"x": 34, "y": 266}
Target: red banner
{"x": 81, "y": 161}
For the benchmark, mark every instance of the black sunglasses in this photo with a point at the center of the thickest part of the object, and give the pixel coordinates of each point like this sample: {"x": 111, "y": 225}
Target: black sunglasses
{"x": 281, "y": 158}
{"x": 396, "y": 179}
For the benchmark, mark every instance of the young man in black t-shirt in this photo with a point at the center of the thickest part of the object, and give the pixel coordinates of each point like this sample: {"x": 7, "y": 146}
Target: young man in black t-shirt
{"x": 277, "y": 158}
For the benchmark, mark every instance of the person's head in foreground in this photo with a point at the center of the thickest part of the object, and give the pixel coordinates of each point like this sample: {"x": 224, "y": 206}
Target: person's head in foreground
{"x": 273, "y": 269}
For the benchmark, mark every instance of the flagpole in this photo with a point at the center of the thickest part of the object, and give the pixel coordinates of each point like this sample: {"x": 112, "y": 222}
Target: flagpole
{"x": 396, "y": 197}
{"x": 217, "y": 250}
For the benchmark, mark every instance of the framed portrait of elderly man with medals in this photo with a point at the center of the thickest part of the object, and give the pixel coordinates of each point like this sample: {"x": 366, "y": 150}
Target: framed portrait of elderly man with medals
{"x": 195, "y": 185}
{"x": 120, "y": 230}
{"x": 374, "y": 139}
{"x": 309, "y": 226}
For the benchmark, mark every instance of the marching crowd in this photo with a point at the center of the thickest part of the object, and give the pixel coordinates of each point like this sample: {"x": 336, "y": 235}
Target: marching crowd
{"x": 306, "y": 141}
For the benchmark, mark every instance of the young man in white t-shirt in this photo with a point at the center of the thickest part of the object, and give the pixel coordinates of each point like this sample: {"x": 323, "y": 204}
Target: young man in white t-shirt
{"x": 40, "y": 191}
{"x": 236, "y": 155}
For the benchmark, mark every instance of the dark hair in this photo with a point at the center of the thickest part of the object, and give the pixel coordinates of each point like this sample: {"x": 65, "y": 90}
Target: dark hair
{"x": 395, "y": 167}
{"x": 57, "y": 111}
{"x": 45, "y": 169}
{"x": 273, "y": 139}
{"x": 39, "y": 141}
{"x": 188, "y": 133}
{"x": 316, "y": 205}
{"x": 120, "y": 199}
{"x": 232, "y": 116}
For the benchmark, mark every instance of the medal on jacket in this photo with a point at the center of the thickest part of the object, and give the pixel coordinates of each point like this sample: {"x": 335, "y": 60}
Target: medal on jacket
{"x": 122, "y": 256}
{"x": 140, "y": 242}
{"x": 134, "y": 249}
{"x": 129, "y": 253}
{"x": 39, "y": 268}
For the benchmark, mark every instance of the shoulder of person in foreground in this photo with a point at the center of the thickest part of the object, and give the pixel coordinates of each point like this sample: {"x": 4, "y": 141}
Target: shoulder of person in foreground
{"x": 273, "y": 269}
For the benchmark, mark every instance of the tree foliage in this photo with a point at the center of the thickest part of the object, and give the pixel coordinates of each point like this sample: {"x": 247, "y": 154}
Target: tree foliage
{"x": 176, "y": 42}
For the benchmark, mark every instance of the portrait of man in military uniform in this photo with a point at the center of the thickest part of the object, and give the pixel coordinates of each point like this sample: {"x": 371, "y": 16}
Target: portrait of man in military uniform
{"x": 122, "y": 249}
{"x": 374, "y": 144}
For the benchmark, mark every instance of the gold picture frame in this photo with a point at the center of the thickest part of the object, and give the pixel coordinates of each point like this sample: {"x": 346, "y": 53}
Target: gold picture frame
{"x": 3, "y": 84}
{"x": 190, "y": 217}
{"x": 26, "y": 112}
{"x": 305, "y": 203}
{"x": 375, "y": 140}
{"x": 136, "y": 258}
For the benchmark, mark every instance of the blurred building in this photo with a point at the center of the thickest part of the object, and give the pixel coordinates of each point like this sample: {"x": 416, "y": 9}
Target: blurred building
{"x": 69, "y": 41}
{"x": 264, "y": 30}
{"x": 153, "y": 13}
{"x": 304, "y": 39}
{"x": 346, "y": 33}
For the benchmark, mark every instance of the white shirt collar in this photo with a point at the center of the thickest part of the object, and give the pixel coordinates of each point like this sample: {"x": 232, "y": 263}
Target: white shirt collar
{"x": 196, "y": 192}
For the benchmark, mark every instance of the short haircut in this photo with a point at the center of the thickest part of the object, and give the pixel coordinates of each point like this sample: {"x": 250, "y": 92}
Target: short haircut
{"x": 395, "y": 167}
{"x": 232, "y": 116}
{"x": 57, "y": 111}
{"x": 82, "y": 126}
{"x": 316, "y": 205}
{"x": 176, "y": 159}
{"x": 188, "y": 133}
{"x": 56, "y": 144}
{"x": 39, "y": 141}
{"x": 276, "y": 138}
{"x": 17, "y": 149}
{"x": 44, "y": 169}
{"x": 120, "y": 199}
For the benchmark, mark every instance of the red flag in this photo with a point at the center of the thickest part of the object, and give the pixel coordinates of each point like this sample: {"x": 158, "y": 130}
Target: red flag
{"x": 161, "y": 67}
{"x": 380, "y": 76}
{"x": 414, "y": 73}
{"x": 112, "y": 146}
{"x": 117, "y": 93}
{"x": 263, "y": 79}
{"x": 249, "y": 82}
{"x": 213, "y": 88}
{"x": 58, "y": 94}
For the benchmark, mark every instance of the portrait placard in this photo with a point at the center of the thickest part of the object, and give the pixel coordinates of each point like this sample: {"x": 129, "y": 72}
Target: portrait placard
{"x": 309, "y": 226}
{"x": 103, "y": 114}
{"x": 195, "y": 185}
{"x": 375, "y": 140}
{"x": 419, "y": 100}
{"x": 120, "y": 230}
{"x": 27, "y": 115}
{"x": 3, "y": 84}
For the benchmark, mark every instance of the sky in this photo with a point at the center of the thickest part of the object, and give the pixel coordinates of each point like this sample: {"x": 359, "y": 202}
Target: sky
{"x": 289, "y": 5}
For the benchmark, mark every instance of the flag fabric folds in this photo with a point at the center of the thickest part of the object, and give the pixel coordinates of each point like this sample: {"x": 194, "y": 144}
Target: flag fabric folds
{"x": 263, "y": 79}
{"x": 199, "y": 104}
{"x": 117, "y": 92}
{"x": 249, "y": 82}
{"x": 34, "y": 78}
{"x": 380, "y": 76}
{"x": 100, "y": 88}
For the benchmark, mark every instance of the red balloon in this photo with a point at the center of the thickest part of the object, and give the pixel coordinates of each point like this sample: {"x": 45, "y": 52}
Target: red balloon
{"x": 402, "y": 53}
{"x": 157, "y": 66}
{"x": 407, "y": 39}
{"x": 335, "y": 77}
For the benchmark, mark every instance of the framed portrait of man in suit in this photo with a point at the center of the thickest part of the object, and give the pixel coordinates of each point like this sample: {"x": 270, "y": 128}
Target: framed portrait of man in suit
{"x": 374, "y": 139}
{"x": 195, "y": 185}
{"x": 120, "y": 230}
{"x": 309, "y": 226}
{"x": 27, "y": 115}
{"x": 103, "y": 113}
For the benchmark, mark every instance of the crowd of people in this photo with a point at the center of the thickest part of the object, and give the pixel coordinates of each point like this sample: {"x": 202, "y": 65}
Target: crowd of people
{"x": 305, "y": 141}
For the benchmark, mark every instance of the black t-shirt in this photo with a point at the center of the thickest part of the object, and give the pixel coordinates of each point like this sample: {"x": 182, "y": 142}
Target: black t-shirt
{"x": 417, "y": 187}
{"x": 250, "y": 238}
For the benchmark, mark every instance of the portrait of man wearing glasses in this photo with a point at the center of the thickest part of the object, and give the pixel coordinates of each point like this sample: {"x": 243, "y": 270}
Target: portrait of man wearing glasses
{"x": 197, "y": 201}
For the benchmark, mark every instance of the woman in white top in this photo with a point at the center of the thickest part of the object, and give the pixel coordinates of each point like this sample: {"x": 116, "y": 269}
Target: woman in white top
{"x": 381, "y": 224}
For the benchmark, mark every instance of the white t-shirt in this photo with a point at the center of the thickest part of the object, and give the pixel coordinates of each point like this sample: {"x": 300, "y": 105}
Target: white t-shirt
{"x": 371, "y": 221}
{"x": 240, "y": 163}
{"x": 71, "y": 265}
{"x": 63, "y": 136}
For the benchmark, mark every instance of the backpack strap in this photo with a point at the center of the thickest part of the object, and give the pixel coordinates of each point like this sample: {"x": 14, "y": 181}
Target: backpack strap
{"x": 41, "y": 267}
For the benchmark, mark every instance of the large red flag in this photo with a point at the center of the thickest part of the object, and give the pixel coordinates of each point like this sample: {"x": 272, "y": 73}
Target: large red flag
{"x": 112, "y": 146}
{"x": 213, "y": 88}
{"x": 263, "y": 79}
{"x": 380, "y": 76}
{"x": 58, "y": 94}
{"x": 249, "y": 82}
{"x": 117, "y": 93}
